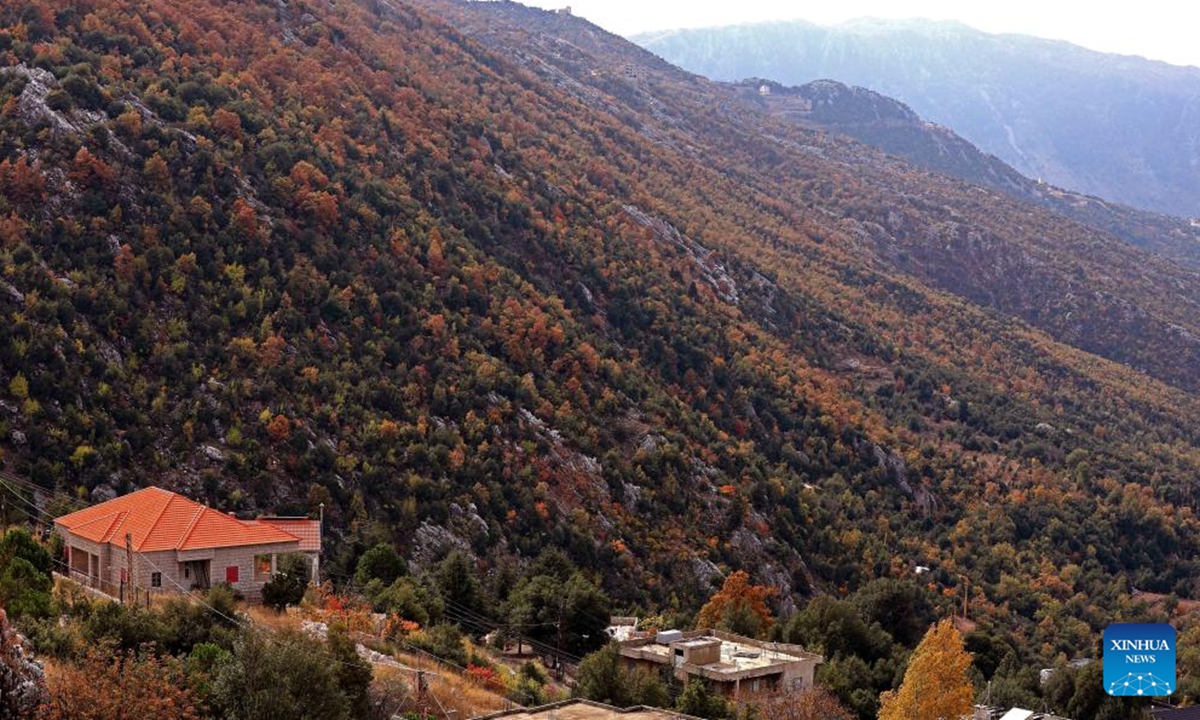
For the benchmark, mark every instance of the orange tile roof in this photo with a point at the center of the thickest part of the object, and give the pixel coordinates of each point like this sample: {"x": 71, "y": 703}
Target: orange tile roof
{"x": 158, "y": 519}
{"x": 309, "y": 531}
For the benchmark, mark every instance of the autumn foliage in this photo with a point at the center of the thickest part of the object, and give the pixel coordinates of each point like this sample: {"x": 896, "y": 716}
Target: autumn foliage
{"x": 370, "y": 259}
{"x": 935, "y": 684}
{"x": 739, "y": 607}
{"x": 125, "y": 685}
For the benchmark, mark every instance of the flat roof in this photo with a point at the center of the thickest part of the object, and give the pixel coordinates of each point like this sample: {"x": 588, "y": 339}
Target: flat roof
{"x": 738, "y": 655}
{"x": 586, "y": 710}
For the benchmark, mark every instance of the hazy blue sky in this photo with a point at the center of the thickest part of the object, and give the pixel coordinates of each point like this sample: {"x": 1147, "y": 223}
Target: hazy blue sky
{"x": 1160, "y": 29}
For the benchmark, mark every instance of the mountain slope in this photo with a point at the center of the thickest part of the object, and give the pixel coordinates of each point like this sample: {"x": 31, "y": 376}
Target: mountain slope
{"x": 1121, "y": 128}
{"x": 894, "y": 128}
{"x": 486, "y": 277}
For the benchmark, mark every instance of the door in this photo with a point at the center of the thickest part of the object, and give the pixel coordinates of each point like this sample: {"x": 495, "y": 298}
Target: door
{"x": 195, "y": 574}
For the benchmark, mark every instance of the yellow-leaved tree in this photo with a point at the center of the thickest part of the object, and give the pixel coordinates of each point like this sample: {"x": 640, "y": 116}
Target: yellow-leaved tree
{"x": 936, "y": 686}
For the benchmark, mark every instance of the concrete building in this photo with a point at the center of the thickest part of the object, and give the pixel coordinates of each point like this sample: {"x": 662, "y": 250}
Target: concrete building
{"x": 984, "y": 712}
{"x": 733, "y": 665}
{"x": 162, "y": 542}
{"x": 586, "y": 710}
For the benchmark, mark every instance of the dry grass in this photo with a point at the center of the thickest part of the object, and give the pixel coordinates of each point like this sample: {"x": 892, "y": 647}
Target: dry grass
{"x": 451, "y": 691}
{"x": 263, "y": 616}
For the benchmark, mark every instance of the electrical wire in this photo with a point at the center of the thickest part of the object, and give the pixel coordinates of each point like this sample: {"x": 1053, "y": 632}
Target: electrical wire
{"x": 459, "y": 613}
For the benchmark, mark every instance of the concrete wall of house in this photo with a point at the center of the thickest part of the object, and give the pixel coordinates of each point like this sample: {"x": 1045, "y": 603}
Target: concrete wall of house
{"x": 747, "y": 688}
{"x": 107, "y": 562}
{"x": 146, "y": 564}
{"x": 97, "y": 568}
{"x": 243, "y": 559}
{"x": 799, "y": 675}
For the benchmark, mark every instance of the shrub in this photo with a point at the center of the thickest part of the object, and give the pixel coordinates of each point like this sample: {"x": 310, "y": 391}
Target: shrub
{"x": 287, "y": 586}
{"x": 278, "y": 675}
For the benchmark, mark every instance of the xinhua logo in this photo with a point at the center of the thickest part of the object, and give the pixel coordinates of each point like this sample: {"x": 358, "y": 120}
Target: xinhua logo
{"x": 1139, "y": 659}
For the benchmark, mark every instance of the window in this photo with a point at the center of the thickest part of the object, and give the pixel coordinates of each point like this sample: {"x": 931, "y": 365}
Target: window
{"x": 262, "y": 567}
{"x": 231, "y": 574}
{"x": 156, "y": 579}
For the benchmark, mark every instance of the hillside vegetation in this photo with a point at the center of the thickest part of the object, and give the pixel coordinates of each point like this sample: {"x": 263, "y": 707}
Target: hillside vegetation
{"x": 485, "y": 278}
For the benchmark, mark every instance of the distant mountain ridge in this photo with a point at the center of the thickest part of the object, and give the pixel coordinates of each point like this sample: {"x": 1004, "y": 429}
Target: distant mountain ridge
{"x": 893, "y": 127}
{"x": 1119, "y": 127}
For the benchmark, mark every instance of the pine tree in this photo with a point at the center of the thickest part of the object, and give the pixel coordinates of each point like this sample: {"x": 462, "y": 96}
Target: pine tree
{"x": 935, "y": 685}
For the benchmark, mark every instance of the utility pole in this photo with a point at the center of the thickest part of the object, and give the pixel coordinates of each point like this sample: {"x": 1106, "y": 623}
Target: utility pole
{"x": 316, "y": 578}
{"x": 129, "y": 565}
{"x": 966, "y": 593}
{"x": 558, "y": 670}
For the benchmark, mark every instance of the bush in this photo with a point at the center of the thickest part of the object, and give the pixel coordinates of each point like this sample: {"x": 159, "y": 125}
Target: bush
{"x": 353, "y": 672}
{"x": 406, "y": 598}
{"x": 187, "y": 623}
{"x": 18, "y": 543}
{"x": 104, "y": 685}
{"x": 604, "y": 678}
{"x": 59, "y": 100}
{"x": 287, "y": 586}
{"x": 130, "y": 628}
{"x": 278, "y": 675}
{"x": 24, "y": 591}
{"x": 443, "y": 641}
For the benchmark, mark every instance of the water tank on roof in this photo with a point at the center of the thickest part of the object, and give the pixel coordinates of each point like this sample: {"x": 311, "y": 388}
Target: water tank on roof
{"x": 666, "y": 637}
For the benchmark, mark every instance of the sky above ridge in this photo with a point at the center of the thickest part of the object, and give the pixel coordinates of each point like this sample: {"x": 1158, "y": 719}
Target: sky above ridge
{"x": 1167, "y": 30}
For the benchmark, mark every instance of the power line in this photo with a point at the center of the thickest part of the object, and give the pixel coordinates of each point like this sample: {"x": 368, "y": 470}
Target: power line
{"x": 501, "y": 625}
{"x": 490, "y": 624}
{"x": 458, "y": 612}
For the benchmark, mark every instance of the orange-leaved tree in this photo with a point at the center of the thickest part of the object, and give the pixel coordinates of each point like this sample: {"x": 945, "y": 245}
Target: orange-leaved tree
{"x": 739, "y": 607}
{"x": 815, "y": 704}
{"x": 106, "y": 684}
{"x": 936, "y": 683}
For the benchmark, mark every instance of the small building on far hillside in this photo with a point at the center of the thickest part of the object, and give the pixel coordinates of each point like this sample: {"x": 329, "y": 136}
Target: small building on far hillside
{"x": 159, "y": 541}
{"x": 733, "y": 665}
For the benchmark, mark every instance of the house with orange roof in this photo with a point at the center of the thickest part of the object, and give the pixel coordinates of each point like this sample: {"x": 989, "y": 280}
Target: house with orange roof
{"x": 161, "y": 541}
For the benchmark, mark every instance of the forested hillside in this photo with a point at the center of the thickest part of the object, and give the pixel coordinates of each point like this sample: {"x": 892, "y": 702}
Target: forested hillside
{"x": 486, "y": 278}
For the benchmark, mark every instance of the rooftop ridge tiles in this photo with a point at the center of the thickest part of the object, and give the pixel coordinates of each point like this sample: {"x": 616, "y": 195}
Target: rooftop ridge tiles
{"x": 170, "y": 499}
{"x": 110, "y": 517}
{"x": 121, "y": 517}
{"x": 187, "y": 532}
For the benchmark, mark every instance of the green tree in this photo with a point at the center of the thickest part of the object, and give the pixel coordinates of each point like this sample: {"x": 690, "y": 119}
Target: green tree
{"x": 834, "y": 628}
{"x": 287, "y": 585}
{"x": 902, "y": 607}
{"x": 456, "y": 581}
{"x": 1083, "y": 692}
{"x": 603, "y": 677}
{"x": 352, "y": 671}
{"x": 382, "y": 563}
{"x": 278, "y": 675}
{"x": 407, "y": 598}
{"x": 549, "y": 610}
{"x": 24, "y": 590}
{"x": 696, "y": 699}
